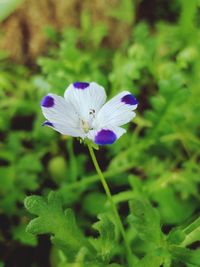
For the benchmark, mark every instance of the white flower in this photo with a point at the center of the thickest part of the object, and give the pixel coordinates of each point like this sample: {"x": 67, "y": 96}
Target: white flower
{"x": 83, "y": 112}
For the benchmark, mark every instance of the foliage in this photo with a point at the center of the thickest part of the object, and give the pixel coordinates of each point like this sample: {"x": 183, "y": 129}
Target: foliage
{"x": 153, "y": 170}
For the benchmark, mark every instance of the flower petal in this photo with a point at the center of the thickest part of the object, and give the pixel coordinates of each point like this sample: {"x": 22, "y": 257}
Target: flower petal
{"x": 48, "y": 123}
{"x": 63, "y": 129}
{"x": 106, "y": 136}
{"x": 87, "y": 98}
{"x": 61, "y": 115}
{"x": 117, "y": 111}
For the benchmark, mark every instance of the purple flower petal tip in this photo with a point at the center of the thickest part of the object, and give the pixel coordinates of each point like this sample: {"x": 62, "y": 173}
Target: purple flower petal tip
{"x": 105, "y": 137}
{"x": 47, "y": 101}
{"x": 81, "y": 85}
{"x": 47, "y": 123}
{"x": 129, "y": 100}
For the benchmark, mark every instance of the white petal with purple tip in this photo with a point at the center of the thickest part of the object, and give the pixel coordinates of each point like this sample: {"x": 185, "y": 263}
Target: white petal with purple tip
{"x": 61, "y": 115}
{"x": 107, "y": 135}
{"x": 117, "y": 111}
{"x": 87, "y": 98}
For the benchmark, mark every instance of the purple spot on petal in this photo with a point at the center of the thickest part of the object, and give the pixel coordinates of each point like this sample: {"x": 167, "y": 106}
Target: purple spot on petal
{"x": 105, "y": 137}
{"x": 47, "y": 101}
{"x": 129, "y": 100}
{"x": 81, "y": 85}
{"x": 47, "y": 123}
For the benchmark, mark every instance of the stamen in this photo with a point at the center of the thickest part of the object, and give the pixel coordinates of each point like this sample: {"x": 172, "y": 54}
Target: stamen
{"x": 92, "y": 112}
{"x": 85, "y": 126}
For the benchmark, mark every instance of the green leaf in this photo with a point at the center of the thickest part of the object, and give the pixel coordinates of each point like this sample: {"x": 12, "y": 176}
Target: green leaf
{"x": 155, "y": 259}
{"x": 7, "y": 176}
{"x": 146, "y": 220}
{"x": 185, "y": 255}
{"x": 30, "y": 163}
{"x": 176, "y": 236}
{"x": 20, "y": 234}
{"x": 125, "y": 7}
{"x": 60, "y": 225}
{"x": 106, "y": 243}
{"x": 171, "y": 207}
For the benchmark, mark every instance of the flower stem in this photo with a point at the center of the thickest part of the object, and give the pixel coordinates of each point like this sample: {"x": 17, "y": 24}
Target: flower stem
{"x": 108, "y": 193}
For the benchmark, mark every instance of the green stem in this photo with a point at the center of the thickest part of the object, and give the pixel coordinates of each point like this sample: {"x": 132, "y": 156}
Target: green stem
{"x": 94, "y": 178}
{"x": 192, "y": 232}
{"x": 193, "y": 226}
{"x": 108, "y": 193}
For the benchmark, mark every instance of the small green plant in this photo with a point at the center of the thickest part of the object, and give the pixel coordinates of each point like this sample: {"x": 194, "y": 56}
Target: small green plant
{"x": 149, "y": 216}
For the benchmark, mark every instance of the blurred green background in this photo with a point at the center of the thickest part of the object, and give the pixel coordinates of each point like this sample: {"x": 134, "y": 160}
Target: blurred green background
{"x": 150, "y": 48}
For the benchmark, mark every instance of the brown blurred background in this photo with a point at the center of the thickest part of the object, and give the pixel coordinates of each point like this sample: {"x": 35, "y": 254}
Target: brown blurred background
{"x": 23, "y": 31}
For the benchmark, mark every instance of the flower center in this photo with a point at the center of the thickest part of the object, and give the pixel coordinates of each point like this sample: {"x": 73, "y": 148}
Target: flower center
{"x": 87, "y": 125}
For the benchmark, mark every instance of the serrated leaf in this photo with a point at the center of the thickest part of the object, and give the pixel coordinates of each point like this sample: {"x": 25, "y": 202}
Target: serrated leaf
{"x": 106, "y": 241}
{"x": 54, "y": 221}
